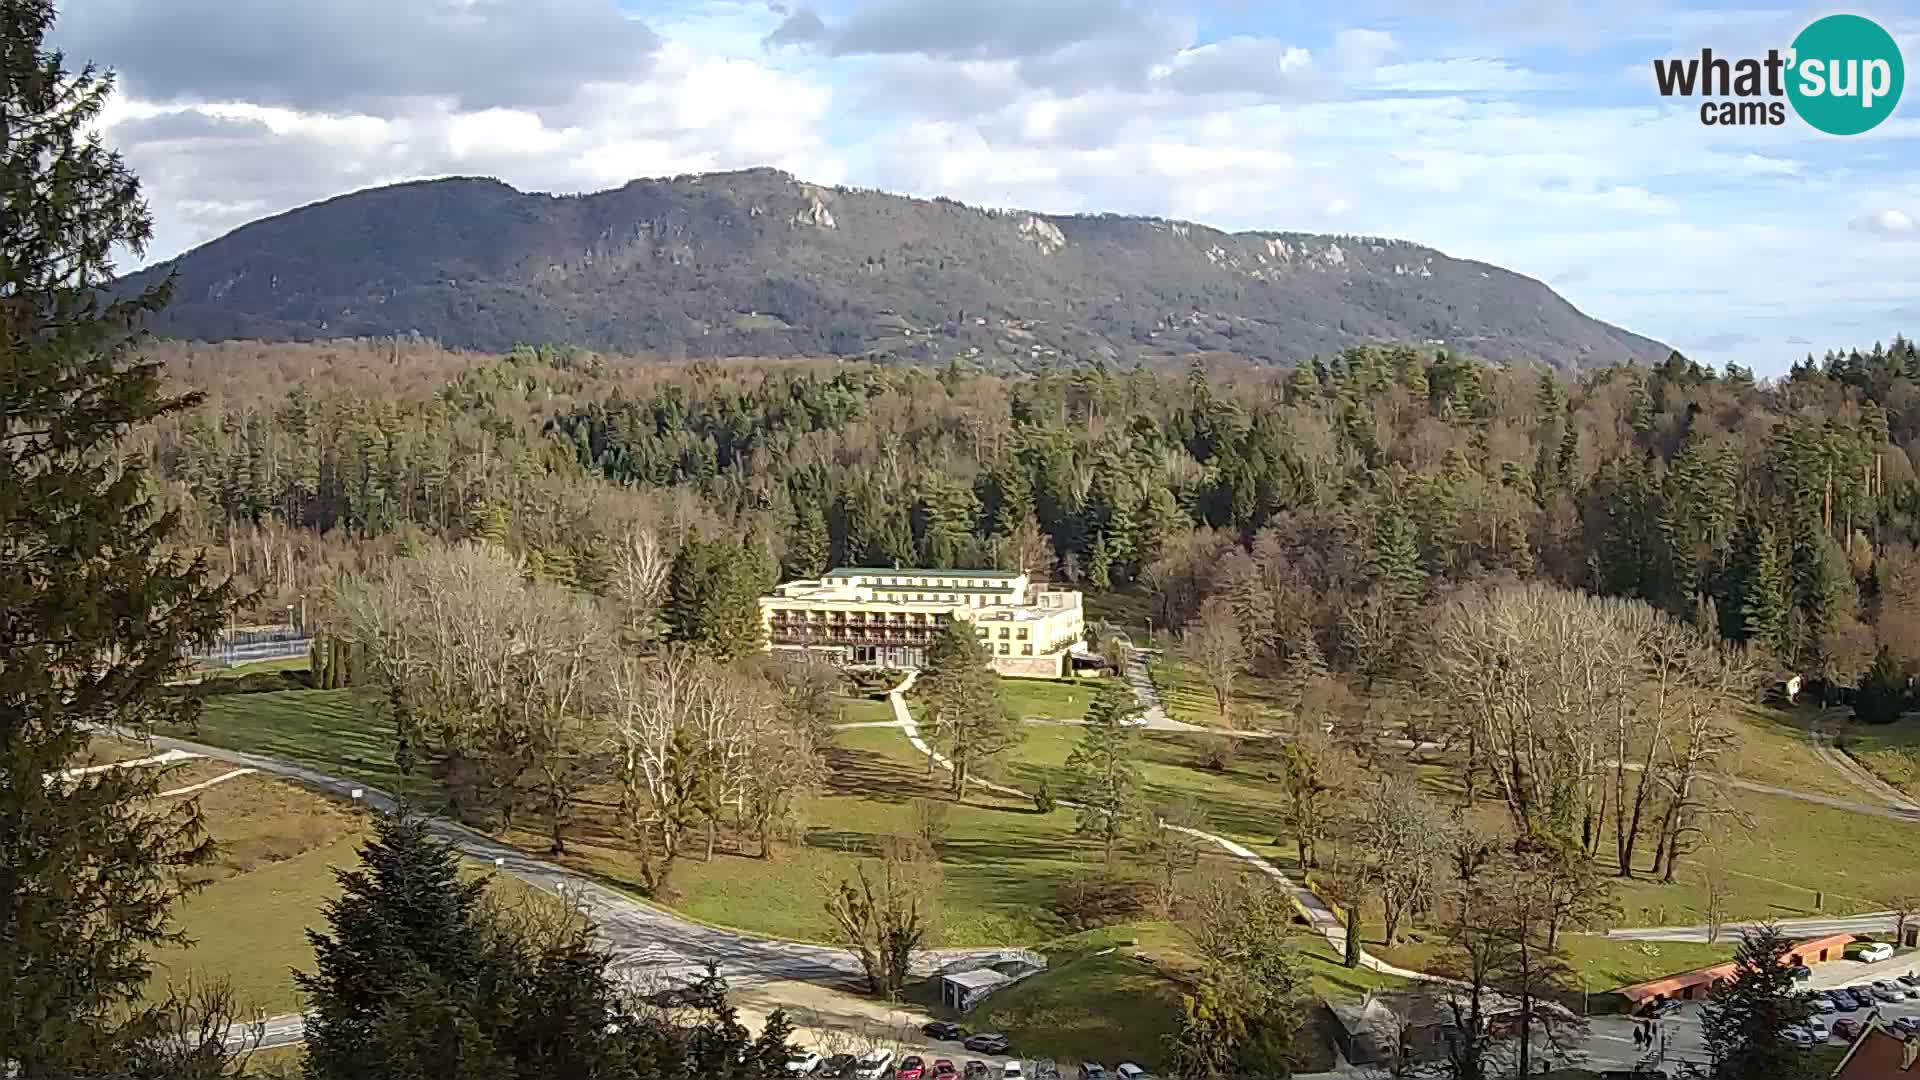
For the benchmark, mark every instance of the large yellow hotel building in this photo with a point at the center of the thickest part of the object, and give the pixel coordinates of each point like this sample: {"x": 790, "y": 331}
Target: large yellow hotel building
{"x": 862, "y": 616}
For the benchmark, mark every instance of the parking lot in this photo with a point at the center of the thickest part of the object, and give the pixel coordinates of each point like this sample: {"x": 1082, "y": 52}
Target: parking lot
{"x": 1611, "y": 1044}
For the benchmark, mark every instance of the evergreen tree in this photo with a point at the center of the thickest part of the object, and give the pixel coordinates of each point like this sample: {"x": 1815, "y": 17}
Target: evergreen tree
{"x": 713, "y": 591}
{"x": 421, "y": 974}
{"x": 963, "y": 695}
{"x": 1746, "y": 1017}
{"x": 96, "y": 606}
{"x": 1567, "y": 460}
{"x": 808, "y": 545}
{"x": 1882, "y": 696}
{"x": 1763, "y": 593}
{"x": 1395, "y": 559}
{"x": 1105, "y": 768}
{"x": 1639, "y": 406}
{"x": 1100, "y": 565}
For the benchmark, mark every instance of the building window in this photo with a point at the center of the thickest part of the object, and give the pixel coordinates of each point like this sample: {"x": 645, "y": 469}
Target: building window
{"x": 1003, "y": 631}
{"x": 1003, "y": 648}
{"x": 1023, "y": 633}
{"x": 1026, "y": 650}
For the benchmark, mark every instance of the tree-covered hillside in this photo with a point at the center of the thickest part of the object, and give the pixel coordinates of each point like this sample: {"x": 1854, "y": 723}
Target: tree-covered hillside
{"x": 756, "y": 263}
{"x": 1337, "y": 495}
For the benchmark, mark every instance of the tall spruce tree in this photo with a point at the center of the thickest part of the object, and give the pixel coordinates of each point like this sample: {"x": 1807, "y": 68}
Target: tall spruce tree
{"x": 1763, "y": 592}
{"x": 1105, "y": 769}
{"x": 422, "y": 974}
{"x": 808, "y": 544}
{"x": 968, "y": 717}
{"x": 1746, "y": 1017}
{"x": 96, "y": 605}
{"x": 1882, "y": 696}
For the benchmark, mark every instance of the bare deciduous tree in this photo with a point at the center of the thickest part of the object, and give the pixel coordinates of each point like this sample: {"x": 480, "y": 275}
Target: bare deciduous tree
{"x": 638, "y": 582}
{"x": 1401, "y": 835}
{"x": 1213, "y": 645}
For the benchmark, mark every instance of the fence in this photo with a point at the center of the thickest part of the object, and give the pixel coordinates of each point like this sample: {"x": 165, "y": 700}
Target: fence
{"x": 247, "y": 646}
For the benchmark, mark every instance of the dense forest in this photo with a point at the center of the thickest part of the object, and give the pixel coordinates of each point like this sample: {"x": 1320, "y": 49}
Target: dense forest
{"x": 1783, "y": 512}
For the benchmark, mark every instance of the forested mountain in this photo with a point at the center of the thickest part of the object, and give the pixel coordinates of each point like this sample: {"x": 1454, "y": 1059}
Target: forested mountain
{"x": 756, "y": 263}
{"x": 1326, "y": 499}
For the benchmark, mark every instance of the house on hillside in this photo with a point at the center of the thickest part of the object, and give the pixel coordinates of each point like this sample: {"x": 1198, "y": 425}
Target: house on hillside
{"x": 1880, "y": 1053}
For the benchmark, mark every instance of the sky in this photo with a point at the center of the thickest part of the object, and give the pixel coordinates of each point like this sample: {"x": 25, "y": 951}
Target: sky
{"x": 1526, "y": 134}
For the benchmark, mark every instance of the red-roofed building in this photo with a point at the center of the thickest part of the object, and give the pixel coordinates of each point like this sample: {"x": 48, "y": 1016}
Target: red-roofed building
{"x": 1697, "y": 984}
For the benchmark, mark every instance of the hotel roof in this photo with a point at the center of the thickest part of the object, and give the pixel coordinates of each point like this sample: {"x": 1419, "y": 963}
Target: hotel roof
{"x": 896, "y": 571}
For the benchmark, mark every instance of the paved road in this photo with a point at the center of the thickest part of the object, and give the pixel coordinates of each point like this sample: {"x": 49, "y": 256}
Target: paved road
{"x": 1153, "y": 711}
{"x": 1879, "y": 922}
{"x": 643, "y": 939}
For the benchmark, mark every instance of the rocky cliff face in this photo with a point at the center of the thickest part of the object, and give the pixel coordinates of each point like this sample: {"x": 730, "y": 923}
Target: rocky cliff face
{"x": 758, "y": 263}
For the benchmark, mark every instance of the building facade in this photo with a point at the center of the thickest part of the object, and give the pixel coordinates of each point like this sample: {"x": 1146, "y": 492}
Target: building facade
{"x": 860, "y": 617}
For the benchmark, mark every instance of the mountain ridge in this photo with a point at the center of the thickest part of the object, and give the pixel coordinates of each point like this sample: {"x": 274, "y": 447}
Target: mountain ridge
{"x": 756, "y": 262}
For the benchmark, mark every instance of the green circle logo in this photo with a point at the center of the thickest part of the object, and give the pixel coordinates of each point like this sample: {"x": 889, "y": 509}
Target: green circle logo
{"x": 1846, "y": 74}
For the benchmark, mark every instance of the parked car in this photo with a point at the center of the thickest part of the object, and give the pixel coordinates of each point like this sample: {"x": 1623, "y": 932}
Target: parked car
{"x": 944, "y": 1031}
{"x": 1092, "y": 1070}
{"x": 1797, "y": 1035}
{"x": 1127, "y": 1070}
{"x": 1846, "y": 1028}
{"x": 1885, "y": 991}
{"x": 1046, "y": 1069}
{"x": 1818, "y": 1029}
{"x": 1821, "y": 1003}
{"x": 803, "y": 1062}
{"x": 838, "y": 1066}
{"x": 1908, "y": 980}
{"x": 1802, "y": 973}
{"x": 975, "y": 1069}
{"x": 912, "y": 1067}
{"x": 1906, "y": 1025}
{"x": 986, "y": 1042}
{"x": 944, "y": 1070}
{"x": 874, "y": 1066}
{"x": 1870, "y": 952}
{"x": 1011, "y": 1071}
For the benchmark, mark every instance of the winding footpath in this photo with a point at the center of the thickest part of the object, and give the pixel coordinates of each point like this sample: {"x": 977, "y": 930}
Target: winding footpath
{"x": 1316, "y": 911}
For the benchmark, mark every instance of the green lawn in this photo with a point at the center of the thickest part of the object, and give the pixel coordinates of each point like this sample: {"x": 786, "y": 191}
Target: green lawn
{"x": 1600, "y": 964}
{"x": 1097, "y": 1001}
{"x": 855, "y": 710}
{"x": 1891, "y": 751}
{"x": 258, "y": 667}
{"x": 1044, "y": 699}
{"x": 1791, "y": 850}
{"x": 1257, "y": 703}
{"x": 1004, "y": 861}
{"x": 278, "y": 845}
{"x": 340, "y": 732}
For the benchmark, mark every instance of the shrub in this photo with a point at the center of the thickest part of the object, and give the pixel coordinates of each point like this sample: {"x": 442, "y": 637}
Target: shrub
{"x": 1219, "y": 752}
{"x": 259, "y": 682}
{"x": 1043, "y": 799}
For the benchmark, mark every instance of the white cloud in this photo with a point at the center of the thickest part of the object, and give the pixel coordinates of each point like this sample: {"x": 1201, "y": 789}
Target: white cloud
{"x": 1361, "y": 50}
{"x": 1458, "y": 75}
{"x": 1888, "y": 222}
{"x": 1492, "y": 137}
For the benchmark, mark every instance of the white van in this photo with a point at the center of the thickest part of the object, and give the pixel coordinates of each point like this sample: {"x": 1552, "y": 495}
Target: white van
{"x": 874, "y": 1066}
